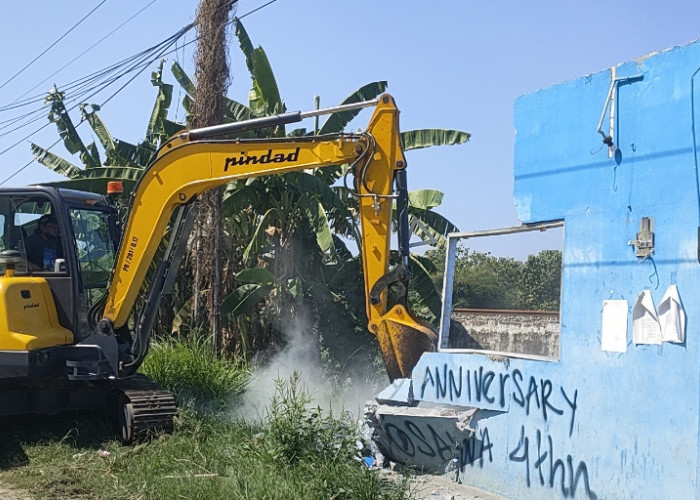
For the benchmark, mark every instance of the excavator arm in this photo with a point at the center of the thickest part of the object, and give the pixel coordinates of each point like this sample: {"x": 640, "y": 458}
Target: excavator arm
{"x": 194, "y": 162}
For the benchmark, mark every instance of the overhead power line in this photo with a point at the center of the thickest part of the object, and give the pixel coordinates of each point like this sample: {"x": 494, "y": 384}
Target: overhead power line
{"x": 77, "y": 85}
{"x": 89, "y": 86}
{"x": 24, "y": 68}
{"x": 125, "y": 22}
{"x": 143, "y": 60}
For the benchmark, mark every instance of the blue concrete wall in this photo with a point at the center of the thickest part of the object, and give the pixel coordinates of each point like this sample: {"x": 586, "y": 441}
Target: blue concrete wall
{"x": 597, "y": 424}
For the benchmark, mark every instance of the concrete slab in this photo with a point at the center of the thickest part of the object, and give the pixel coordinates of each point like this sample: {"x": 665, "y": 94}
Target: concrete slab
{"x": 426, "y": 439}
{"x": 400, "y": 392}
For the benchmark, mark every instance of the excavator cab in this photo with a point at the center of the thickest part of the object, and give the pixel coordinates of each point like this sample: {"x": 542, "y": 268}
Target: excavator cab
{"x": 57, "y": 251}
{"x": 64, "y": 248}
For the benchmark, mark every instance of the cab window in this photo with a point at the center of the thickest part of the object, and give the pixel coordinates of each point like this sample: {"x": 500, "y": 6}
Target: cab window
{"x": 29, "y": 225}
{"x": 94, "y": 248}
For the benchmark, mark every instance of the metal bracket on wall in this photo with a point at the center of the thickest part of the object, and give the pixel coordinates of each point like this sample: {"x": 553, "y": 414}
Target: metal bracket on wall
{"x": 644, "y": 244}
{"x": 610, "y": 104}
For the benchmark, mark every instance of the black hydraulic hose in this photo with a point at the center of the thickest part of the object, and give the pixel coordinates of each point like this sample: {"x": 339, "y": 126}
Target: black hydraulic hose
{"x": 403, "y": 231}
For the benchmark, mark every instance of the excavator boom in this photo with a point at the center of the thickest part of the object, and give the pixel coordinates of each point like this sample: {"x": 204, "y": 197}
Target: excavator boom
{"x": 194, "y": 162}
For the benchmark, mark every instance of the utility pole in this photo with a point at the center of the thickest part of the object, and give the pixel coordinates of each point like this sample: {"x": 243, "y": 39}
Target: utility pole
{"x": 212, "y": 79}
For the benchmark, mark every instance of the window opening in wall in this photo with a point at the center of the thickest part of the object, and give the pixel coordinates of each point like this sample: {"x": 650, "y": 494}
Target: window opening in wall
{"x": 506, "y": 304}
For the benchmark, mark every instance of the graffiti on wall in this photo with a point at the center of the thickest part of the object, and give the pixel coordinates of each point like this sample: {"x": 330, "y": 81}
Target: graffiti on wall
{"x": 416, "y": 440}
{"x": 425, "y": 438}
{"x": 543, "y": 403}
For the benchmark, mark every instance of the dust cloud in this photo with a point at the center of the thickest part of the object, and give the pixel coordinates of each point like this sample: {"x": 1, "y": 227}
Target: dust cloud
{"x": 302, "y": 355}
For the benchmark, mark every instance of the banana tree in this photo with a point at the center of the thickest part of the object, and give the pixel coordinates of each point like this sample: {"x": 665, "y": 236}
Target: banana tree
{"x": 290, "y": 207}
{"x": 120, "y": 160}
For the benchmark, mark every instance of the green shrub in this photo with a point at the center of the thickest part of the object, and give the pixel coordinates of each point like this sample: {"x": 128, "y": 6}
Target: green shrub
{"x": 191, "y": 370}
{"x": 296, "y": 431}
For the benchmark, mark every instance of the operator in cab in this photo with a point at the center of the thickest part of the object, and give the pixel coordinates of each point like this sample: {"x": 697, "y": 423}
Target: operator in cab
{"x": 44, "y": 246}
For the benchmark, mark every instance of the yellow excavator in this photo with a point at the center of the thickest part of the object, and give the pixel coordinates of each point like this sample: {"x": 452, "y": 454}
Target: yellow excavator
{"x": 69, "y": 336}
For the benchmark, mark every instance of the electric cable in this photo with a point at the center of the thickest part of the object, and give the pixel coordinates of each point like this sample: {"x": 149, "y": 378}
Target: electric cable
{"x": 81, "y": 86}
{"x": 26, "y": 164}
{"x": 26, "y": 66}
{"x": 77, "y": 84}
{"x": 232, "y": 21}
{"x": 105, "y": 77}
{"x": 70, "y": 108}
{"x": 133, "y": 16}
{"x": 144, "y": 67}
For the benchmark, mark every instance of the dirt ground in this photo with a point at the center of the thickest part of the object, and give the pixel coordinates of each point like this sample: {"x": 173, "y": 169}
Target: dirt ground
{"x": 442, "y": 488}
{"x": 426, "y": 487}
{"x": 7, "y": 493}
{"x": 433, "y": 487}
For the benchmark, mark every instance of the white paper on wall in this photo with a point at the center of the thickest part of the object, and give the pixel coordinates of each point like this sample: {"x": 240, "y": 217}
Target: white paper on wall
{"x": 614, "y": 330}
{"x": 645, "y": 323}
{"x": 672, "y": 316}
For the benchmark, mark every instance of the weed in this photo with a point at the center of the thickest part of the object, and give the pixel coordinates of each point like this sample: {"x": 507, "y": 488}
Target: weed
{"x": 296, "y": 431}
{"x": 189, "y": 368}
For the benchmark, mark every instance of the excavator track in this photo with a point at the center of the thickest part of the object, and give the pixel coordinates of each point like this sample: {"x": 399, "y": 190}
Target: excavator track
{"x": 147, "y": 408}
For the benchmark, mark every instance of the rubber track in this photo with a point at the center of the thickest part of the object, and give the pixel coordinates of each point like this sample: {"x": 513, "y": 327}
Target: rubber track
{"x": 153, "y": 407}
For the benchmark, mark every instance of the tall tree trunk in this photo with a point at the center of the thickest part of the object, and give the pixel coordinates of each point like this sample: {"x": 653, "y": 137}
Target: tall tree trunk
{"x": 212, "y": 77}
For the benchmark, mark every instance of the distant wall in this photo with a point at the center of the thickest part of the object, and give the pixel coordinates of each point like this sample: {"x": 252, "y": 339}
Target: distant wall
{"x": 526, "y": 332}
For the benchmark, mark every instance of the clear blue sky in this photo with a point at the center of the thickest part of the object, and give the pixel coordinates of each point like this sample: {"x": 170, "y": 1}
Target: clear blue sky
{"x": 449, "y": 64}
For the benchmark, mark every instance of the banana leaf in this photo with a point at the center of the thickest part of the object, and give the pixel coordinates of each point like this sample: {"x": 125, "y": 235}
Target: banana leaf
{"x": 98, "y": 126}
{"x": 93, "y": 160}
{"x": 434, "y": 227}
{"x": 244, "y": 298}
{"x": 55, "y": 162}
{"x": 182, "y": 78}
{"x": 66, "y": 130}
{"x": 245, "y": 44}
{"x": 341, "y": 249}
{"x": 236, "y": 111}
{"x": 297, "y": 132}
{"x": 238, "y": 198}
{"x": 156, "y": 128}
{"x": 258, "y": 275}
{"x": 183, "y": 315}
{"x": 338, "y": 121}
{"x": 113, "y": 173}
{"x": 128, "y": 155}
{"x": 295, "y": 287}
{"x": 425, "y": 138}
{"x": 258, "y": 240}
{"x": 421, "y": 283}
{"x": 187, "y": 104}
{"x": 324, "y": 234}
{"x": 308, "y": 183}
{"x": 265, "y": 96}
{"x": 95, "y": 179}
{"x": 425, "y": 199}
{"x": 171, "y": 128}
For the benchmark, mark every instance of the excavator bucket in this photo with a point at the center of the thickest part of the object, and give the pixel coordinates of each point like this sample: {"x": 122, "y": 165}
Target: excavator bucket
{"x": 403, "y": 339}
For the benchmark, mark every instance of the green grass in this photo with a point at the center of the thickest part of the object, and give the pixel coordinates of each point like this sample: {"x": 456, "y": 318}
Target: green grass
{"x": 190, "y": 370}
{"x": 297, "y": 451}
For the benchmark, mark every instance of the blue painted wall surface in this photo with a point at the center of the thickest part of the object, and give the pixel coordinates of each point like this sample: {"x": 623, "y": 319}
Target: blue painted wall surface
{"x": 595, "y": 423}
